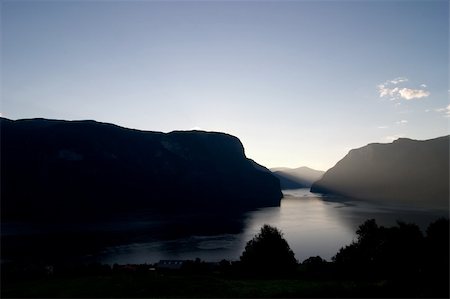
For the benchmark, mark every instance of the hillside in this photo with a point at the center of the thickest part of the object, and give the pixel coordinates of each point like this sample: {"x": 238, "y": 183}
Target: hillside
{"x": 74, "y": 169}
{"x": 409, "y": 172}
{"x": 301, "y": 177}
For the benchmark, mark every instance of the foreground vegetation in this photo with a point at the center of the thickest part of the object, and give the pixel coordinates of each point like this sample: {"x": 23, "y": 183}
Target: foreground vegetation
{"x": 383, "y": 262}
{"x": 199, "y": 285}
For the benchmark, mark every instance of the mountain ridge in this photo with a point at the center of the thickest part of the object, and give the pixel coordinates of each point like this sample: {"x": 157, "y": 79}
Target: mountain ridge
{"x": 56, "y": 168}
{"x": 406, "y": 171}
{"x": 300, "y": 177}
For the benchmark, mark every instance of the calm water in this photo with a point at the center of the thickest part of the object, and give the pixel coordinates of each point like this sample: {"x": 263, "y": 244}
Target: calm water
{"x": 312, "y": 225}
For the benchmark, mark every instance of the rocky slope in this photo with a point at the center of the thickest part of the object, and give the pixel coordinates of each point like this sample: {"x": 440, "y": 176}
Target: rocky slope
{"x": 410, "y": 172}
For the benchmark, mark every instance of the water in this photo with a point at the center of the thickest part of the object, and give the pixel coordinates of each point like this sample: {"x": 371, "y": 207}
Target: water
{"x": 312, "y": 224}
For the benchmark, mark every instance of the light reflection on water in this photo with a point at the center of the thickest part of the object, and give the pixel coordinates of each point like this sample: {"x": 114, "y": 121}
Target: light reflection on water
{"x": 312, "y": 224}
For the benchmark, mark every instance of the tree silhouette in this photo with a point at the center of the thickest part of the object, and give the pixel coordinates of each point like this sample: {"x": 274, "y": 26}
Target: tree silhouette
{"x": 268, "y": 253}
{"x": 436, "y": 268}
{"x": 389, "y": 252}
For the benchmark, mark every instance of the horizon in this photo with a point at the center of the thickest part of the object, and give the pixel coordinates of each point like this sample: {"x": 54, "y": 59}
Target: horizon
{"x": 299, "y": 83}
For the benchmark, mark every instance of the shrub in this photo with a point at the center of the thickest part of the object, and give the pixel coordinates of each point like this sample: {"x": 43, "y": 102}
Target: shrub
{"x": 268, "y": 253}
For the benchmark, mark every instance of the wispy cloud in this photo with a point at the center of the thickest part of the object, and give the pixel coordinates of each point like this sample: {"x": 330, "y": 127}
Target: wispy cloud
{"x": 385, "y": 91}
{"x": 390, "y": 89}
{"x": 401, "y": 122}
{"x": 398, "y": 80}
{"x": 445, "y": 110}
{"x": 382, "y": 127}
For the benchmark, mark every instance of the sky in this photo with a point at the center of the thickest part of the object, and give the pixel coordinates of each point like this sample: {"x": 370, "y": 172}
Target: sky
{"x": 299, "y": 82}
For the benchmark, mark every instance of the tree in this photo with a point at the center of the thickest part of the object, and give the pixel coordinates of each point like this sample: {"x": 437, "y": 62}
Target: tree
{"x": 383, "y": 252}
{"x": 436, "y": 268}
{"x": 314, "y": 261}
{"x": 268, "y": 253}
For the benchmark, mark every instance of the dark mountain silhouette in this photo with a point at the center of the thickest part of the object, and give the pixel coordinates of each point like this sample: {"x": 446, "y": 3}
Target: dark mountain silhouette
{"x": 407, "y": 171}
{"x": 73, "y": 169}
{"x": 301, "y": 177}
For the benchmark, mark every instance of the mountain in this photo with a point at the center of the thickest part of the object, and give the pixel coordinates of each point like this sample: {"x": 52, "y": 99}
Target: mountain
{"x": 74, "y": 169}
{"x": 407, "y": 171}
{"x": 301, "y": 177}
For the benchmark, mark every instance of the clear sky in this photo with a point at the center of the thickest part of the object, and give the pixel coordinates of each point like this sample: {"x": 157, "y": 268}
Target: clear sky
{"x": 299, "y": 82}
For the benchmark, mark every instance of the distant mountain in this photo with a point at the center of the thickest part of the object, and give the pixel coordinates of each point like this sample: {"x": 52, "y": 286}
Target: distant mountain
{"x": 407, "y": 171}
{"x": 292, "y": 178}
{"x": 75, "y": 169}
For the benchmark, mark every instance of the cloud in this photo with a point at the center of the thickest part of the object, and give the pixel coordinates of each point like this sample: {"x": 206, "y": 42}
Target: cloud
{"x": 409, "y": 94}
{"x": 446, "y": 111}
{"x": 401, "y": 122}
{"x": 382, "y": 127}
{"x": 385, "y": 88}
{"x": 386, "y": 91}
{"x": 394, "y": 92}
{"x": 398, "y": 80}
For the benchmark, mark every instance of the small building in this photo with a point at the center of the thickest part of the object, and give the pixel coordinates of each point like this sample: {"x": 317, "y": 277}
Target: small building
{"x": 170, "y": 264}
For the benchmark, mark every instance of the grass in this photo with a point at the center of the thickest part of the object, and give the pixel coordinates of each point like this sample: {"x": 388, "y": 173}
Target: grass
{"x": 173, "y": 285}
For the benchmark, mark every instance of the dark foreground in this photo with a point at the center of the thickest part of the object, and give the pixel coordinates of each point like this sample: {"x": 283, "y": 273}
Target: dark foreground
{"x": 383, "y": 262}
{"x": 176, "y": 284}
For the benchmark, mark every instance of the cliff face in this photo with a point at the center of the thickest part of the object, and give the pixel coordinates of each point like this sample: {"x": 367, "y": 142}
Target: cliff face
{"x": 53, "y": 168}
{"x": 406, "y": 171}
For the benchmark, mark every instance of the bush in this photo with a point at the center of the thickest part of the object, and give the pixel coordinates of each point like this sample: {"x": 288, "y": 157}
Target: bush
{"x": 268, "y": 253}
{"x": 394, "y": 252}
